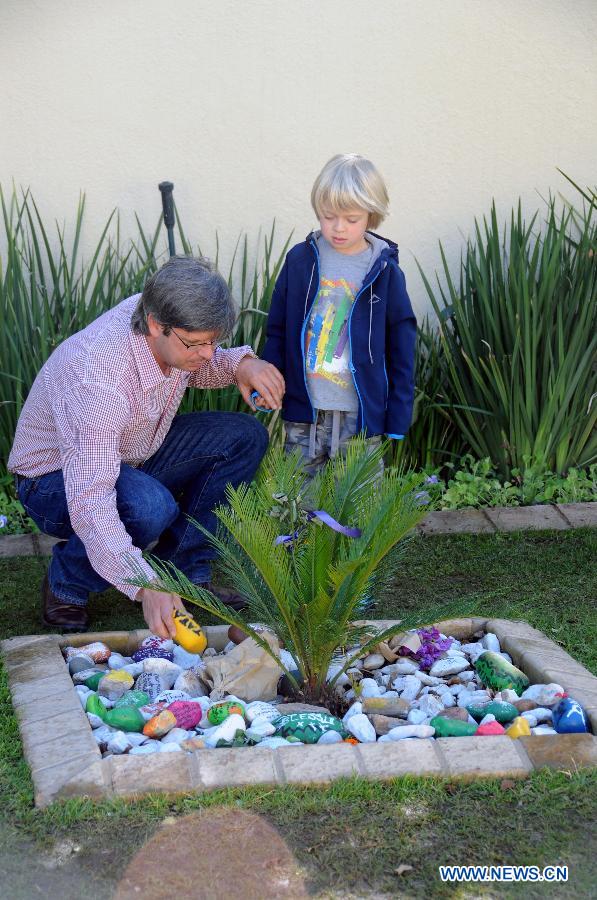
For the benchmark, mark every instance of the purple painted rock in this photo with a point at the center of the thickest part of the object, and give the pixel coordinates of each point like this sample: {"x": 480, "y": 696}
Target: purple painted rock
{"x": 151, "y": 683}
{"x": 151, "y": 653}
{"x": 186, "y": 713}
{"x": 154, "y": 640}
{"x": 569, "y": 717}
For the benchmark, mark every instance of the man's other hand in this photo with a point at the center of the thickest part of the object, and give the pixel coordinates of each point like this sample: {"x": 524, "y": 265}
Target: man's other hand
{"x": 256, "y": 375}
{"x": 157, "y": 611}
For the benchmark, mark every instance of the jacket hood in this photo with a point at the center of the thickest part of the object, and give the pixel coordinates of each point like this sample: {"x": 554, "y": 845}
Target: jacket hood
{"x": 383, "y": 248}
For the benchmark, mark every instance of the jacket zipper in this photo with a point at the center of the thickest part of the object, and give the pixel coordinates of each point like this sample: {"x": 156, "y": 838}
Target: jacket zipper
{"x": 350, "y": 364}
{"x": 307, "y": 317}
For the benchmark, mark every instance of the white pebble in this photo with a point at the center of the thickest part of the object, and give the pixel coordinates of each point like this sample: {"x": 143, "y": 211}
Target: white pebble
{"x": 411, "y": 731}
{"x": 491, "y": 642}
{"x": 369, "y": 688}
{"x": 355, "y": 710}
{"x": 361, "y": 728}
{"x": 330, "y": 737}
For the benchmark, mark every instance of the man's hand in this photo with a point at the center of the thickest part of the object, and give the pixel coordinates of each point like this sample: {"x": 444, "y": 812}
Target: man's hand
{"x": 256, "y": 375}
{"x": 157, "y": 611}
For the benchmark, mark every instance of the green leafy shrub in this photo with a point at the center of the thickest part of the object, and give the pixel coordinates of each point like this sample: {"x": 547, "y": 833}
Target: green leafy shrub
{"x": 13, "y": 518}
{"x": 519, "y": 333}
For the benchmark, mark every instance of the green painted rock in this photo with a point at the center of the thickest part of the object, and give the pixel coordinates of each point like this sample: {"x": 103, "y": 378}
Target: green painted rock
{"x": 94, "y": 705}
{"x": 220, "y": 711}
{"x": 498, "y": 674}
{"x": 93, "y": 681}
{"x": 503, "y": 712}
{"x": 134, "y": 698}
{"x": 445, "y": 727}
{"x": 307, "y": 727}
{"x": 126, "y": 718}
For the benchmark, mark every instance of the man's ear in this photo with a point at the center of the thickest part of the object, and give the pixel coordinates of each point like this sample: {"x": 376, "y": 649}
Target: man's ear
{"x": 155, "y": 329}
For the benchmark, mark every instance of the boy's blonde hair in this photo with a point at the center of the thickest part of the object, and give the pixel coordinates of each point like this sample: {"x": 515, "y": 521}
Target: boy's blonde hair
{"x": 348, "y": 180}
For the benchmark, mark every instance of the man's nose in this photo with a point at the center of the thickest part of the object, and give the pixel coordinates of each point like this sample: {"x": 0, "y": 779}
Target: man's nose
{"x": 206, "y": 352}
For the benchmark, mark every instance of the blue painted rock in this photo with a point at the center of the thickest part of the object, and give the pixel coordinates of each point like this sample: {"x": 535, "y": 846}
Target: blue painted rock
{"x": 132, "y": 698}
{"x": 445, "y": 727}
{"x": 569, "y": 717}
{"x": 126, "y": 718}
{"x": 152, "y": 653}
{"x": 498, "y": 674}
{"x": 308, "y": 727}
{"x": 150, "y": 683}
{"x": 502, "y": 711}
{"x": 186, "y": 713}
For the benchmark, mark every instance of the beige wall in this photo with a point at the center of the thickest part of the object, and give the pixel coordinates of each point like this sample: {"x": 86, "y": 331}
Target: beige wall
{"x": 240, "y": 104}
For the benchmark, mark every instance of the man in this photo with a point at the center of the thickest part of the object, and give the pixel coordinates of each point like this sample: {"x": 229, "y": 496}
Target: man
{"x": 102, "y": 461}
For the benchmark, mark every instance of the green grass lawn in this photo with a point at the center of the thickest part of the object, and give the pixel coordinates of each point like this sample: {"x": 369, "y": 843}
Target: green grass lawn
{"x": 350, "y": 838}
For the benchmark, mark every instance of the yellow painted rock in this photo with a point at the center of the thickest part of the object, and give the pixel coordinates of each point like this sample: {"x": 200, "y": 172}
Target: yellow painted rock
{"x": 189, "y": 633}
{"x": 519, "y": 728}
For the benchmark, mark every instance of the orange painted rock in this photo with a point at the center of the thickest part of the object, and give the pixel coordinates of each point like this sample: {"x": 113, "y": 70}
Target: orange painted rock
{"x": 519, "y": 728}
{"x": 160, "y": 725}
{"x": 98, "y": 651}
{"x": 490, "y": 728}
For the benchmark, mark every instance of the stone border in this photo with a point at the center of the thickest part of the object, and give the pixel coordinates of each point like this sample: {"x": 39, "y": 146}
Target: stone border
{"x": 65, "y": 760}
{"x": 561, "y": 517}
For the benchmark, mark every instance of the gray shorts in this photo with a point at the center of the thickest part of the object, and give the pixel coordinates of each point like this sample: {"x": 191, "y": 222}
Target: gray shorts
{"x": 328, "y": 435}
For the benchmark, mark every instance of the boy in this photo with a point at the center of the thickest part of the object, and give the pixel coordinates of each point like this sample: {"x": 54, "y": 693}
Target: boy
{"x": 341, "y": 328}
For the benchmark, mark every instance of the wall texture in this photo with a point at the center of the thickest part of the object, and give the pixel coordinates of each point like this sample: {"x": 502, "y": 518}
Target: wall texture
{"x": 241, "y": 103}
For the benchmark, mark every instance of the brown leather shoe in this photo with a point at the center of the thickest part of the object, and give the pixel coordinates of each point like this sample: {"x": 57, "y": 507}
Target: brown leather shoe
{"x": 227, "y": 596}
{"x": 66, "y": 617}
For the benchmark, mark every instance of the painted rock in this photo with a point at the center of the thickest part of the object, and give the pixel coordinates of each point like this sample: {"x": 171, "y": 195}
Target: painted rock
{"x": 151, "y": 653}
{"x": 98, "y": 651}
{"x": 519, "y": 728}
{"x": 150, "y": 683}
{"x": 258, "y": 709}
{"x": 187, "y": 714}
{"x": 151, "y": 710}
{"x": 160, "y": 725}
{"x": 127, "y": 718}
{"x": 498, "y": 674}
{"x": 394, "y": 707}
{"x": 79, "y": 663}
{"x": 132, "y": 698}
{"x": 115, "y": 684}
{"x": 569, "y": 717}
{"x": 95, "y": 706}
{"x": 308, "y": 727}
{"x": 171, "y": 696}
{"x": 220, "y": 711}
{"x": 166, "y": 670}
{"x": 545, "y": 694}
{"x": 286, "y": 686}
{"x": 503, "y": 712}
{"x": 189, "y": 633}
{"x": 490, "y": 728}
{"x": 455, "y": 712}
{"x": 445, "y": 727}
{"x": 93, "y": 681}
{"x": 154, "y": 640}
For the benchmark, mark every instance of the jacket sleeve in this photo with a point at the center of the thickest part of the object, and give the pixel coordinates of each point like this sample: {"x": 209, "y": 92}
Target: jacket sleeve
{"x": 401, "y": 335}
{"x": 274, "y": 349}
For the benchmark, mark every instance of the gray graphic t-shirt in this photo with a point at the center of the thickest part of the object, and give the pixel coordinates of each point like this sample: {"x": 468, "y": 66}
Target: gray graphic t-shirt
{"x": 327, "y": 350}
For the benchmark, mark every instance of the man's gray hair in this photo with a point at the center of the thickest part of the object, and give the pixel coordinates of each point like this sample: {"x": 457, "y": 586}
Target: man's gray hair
{"x": 186, "y": 293}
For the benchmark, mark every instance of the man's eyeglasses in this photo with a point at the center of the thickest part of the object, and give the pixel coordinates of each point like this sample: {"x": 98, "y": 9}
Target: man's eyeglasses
{"x": 193, "y": 346}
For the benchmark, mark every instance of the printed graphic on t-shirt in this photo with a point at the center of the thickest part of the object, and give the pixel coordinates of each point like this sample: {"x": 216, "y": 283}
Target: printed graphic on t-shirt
{"x": 327, "y": 349}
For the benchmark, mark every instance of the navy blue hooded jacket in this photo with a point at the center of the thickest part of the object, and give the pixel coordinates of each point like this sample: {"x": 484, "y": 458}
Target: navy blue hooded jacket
{"x": 382, "y": 332}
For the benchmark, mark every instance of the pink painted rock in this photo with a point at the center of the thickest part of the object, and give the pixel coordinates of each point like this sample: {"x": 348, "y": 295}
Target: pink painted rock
{"x": 187, "y": 714}
{"x": 491, "y": 728}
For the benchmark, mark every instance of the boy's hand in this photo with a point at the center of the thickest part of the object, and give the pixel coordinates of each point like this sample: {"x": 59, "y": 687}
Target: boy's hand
{"x": 256, "y": 375}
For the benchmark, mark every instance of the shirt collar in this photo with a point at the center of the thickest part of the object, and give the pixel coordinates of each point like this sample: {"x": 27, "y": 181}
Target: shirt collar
{"x": 150, "y": 373}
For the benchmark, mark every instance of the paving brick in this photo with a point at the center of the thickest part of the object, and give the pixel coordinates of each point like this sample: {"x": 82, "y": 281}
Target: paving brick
{"x": 168, "y": 773}
{"x": 461, "y": 629}
{"x": 527, "y": 518}
{"x": 13, "y": 648}
{"x": 456, "y": 521}
{"x": 84, "y": 776}
{"x": 591, "y": 711}
{"x": 562, "y": 751}
{"x": 59, "y": 748}
{"x": 408, "y": 757}
{"x": 234, "y": 767}
{"x": 580, "y": 515}
{"x": 537, "y": 663}
{"x": 508, "y": 628}
{"x": 42, "y": 709}
{"x": 573, "y": 683}
{"x": 36, "y": 664}
{"x": 16, "y": 545}
{"x": 317, "y": 764}
{"x": 474, "y": 757}
{"x": 65, "y": 723}
{"x": 26, "y": 692}
{"x": 42, "y": 544}
{"x": 117, "y": 641}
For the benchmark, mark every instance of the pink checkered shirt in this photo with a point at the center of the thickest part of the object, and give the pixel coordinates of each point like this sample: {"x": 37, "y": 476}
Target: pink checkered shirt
{"x": 101, "y": 400}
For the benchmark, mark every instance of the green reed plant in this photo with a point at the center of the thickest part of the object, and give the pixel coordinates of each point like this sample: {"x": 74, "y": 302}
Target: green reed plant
{"x": 308, "y": 590}
{"x": 519, "y": 335}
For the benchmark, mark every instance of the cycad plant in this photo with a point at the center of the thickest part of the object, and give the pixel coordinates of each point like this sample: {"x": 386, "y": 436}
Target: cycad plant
{"x": 307, "y": 556}
{"x": 519, "y": 332}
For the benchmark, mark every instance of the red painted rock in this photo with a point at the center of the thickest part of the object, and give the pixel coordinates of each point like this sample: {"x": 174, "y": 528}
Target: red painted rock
{"x": 491, "y": 728}
{"x": 187, "y": 714}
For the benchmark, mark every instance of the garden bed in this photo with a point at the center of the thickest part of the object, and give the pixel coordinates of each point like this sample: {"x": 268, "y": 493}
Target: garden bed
{"x": 65, "y": 759}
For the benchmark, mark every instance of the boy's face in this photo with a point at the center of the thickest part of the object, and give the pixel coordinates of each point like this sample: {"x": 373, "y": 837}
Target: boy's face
{"x": 345, "y": 229}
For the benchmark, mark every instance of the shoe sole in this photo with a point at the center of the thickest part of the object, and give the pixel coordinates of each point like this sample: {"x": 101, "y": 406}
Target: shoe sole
{"x": 65, "y": 629}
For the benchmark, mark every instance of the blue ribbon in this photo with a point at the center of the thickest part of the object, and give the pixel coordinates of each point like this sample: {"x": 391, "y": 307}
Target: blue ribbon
{"x": 328, "y": 520}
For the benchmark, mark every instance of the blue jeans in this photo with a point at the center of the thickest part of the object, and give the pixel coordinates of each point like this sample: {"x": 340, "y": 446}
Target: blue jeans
{"x": 201, "y": 454}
